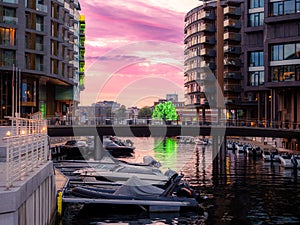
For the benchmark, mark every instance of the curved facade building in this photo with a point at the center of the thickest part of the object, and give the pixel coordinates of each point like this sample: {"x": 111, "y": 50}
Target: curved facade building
{"x": 204, "y": 26}
{"x": 39, "y": 56}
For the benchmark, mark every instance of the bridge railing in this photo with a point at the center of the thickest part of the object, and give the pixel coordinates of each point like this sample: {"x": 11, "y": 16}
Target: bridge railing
{"x": 26, "y": 147}
{"x": 146, "y": 121}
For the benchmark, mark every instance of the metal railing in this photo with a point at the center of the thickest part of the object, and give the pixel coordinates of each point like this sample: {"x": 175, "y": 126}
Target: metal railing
{"x": 148, "y": 121}
{"x": 27, "y": 147}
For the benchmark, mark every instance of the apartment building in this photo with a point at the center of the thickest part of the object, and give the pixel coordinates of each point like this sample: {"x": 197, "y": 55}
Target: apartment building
{"x": 40, "y": 56}
{"x": 213, "y": 41}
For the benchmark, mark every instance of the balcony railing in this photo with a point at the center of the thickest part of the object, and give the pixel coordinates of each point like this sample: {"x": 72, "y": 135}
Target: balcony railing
{"x": 6, "y": 62}
{"x": 10, "y": 20}
{"x": 42, "y": 8}
{"x": 232, "y": 10}
{"x": 10, "y": 1}
{"x": 26, "y": 147}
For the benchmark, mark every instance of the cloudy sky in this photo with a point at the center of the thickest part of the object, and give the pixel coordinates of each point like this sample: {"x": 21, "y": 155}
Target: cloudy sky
{"x": 134, "y": 50}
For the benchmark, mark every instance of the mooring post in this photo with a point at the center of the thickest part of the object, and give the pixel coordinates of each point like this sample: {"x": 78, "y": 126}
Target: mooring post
{"x": 98, "y": 147}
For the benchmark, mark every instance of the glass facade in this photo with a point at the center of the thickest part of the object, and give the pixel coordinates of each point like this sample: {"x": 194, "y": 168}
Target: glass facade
{"x": 256, "y": 4}
{"x": 256, "y": 19}
{"x": 256, "y": 59}
{"x": 285, "y": 73}
{"x": 285, "y": 51}
{"x": 278, "y": 8}
{"x": 256, "y": 78}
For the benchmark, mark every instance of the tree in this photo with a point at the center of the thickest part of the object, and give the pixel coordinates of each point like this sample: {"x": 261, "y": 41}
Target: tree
{"x": 120, "y": 112}
{"x": 145, "y": 112}
{"x": 165, "y": 111}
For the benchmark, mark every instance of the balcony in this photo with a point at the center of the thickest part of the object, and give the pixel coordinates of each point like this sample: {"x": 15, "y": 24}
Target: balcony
{"x": 207, "y": 52}
{"x": 233, "y": 75}
{"x": 232, "y": 62}
{"x": 10, "y": 1}
{"x": 232, "y": 88}
{"x": 207, "y": 27}
{"x": 232, "y": 49}
{"x": 230, "y": 10}
{"x": 207, "y": 40}
{"x": 8, "y": 43}
{"x": 231, "y": 36}
{"x": 211, "y": 65}
{"x": 207, "y": 15}
{"x": 40, "y": 67}
{"x": 7, "y": 62}
{"x": 10, "y": 20}
{"x": 232, "y": 23}
{"x": 41, "y": 8}
{"x": 39, "y": 27}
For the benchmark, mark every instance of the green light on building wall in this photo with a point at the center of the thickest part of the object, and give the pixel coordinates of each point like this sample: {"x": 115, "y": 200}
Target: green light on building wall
{"x": 43, "y": 109}
{"x": 81, "y": 81}
{"x": 81, "y": 67}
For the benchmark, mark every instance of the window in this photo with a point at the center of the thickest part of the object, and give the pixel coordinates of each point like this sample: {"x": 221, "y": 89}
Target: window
{"x": 28, "y": 92}
{"x": 285, "y": 52}
{"x": 39, "y": 23}
{"x": 7, "y": 57}
{"x": 256, "y": 19}
{"x": 289, "y": 51}
{"x": 277, "y": 52}
{"x": 256, "y": 3}
{"x": 7, "y": 36}
{"x": 286, "y": 7}
{"x": 256, "y": 59}
{"x": 285, "y": 73}
{"x": 256, "y": 78}
{"x": 297, "y": 6}
{"x": 289, "y": 7}
{"x": 276, "y": 8}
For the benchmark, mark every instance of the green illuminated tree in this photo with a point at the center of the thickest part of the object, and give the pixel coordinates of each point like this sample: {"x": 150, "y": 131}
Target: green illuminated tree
{"x": 165, "y": 111}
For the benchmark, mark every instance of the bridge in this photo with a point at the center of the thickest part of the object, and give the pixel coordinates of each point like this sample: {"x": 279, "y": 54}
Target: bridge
{"x": 170, "y": 131}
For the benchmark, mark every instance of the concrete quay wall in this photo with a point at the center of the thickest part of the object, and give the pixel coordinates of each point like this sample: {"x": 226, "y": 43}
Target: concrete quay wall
{"x": 31, "y": 201}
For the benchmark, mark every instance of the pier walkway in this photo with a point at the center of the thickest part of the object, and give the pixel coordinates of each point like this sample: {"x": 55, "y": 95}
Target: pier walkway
{"x": 27, "y": 179}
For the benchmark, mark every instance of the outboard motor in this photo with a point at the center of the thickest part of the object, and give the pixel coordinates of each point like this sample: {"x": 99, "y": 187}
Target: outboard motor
{"x": 294, "y": 161}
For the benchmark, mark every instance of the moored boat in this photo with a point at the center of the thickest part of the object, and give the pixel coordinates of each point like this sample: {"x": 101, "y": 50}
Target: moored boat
{"x": 173, "y": 197}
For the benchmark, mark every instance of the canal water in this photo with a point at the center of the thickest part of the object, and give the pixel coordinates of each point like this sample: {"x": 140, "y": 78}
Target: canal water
{"x": 242, "y": 190}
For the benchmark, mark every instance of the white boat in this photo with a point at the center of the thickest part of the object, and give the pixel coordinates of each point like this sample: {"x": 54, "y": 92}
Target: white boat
{"x": 266, "y": 155}
{"x": 113, "y": 170}
{"x": 185, "y": 139}
{"x": 270, "y": 155}
{"x": 288, "y": 161}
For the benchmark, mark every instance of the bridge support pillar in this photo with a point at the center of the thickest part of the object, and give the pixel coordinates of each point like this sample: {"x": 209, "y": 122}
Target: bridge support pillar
{"x": 219, "y": 158}
{"x": 98, "y": 147}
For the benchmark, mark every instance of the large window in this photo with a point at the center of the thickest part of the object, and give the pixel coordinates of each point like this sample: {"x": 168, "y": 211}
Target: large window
{"x": 28, "y": 92}
{"x": 297, "y": 6}
{"x": 285, "y": 52}
{"x": 276, "y": 8}
{"x": 286, "y": 7}
{"x": 256, "y": 3}
{"x": 289, "y": 6}
{"x": 285, "y": 73}
{"x": 7, "y": 58}
{"x": 256, "y": 59}
{"x": 256, "y": 78}
{"x": 256, "y": 19}
{"x": 7, "y": 36}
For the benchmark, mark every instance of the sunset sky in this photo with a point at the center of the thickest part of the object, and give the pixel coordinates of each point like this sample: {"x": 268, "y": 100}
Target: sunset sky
{"x": 134, "y": 50}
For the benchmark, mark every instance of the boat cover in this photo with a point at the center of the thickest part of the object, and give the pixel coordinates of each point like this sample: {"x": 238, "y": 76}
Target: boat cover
{"x": 137, "y": 187}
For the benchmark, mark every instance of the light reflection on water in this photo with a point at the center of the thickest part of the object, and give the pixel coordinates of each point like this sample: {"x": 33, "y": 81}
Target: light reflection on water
{"x": 241, "y": 191}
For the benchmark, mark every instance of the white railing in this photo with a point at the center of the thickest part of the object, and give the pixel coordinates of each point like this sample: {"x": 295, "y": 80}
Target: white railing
{"x": 27, "y": 147}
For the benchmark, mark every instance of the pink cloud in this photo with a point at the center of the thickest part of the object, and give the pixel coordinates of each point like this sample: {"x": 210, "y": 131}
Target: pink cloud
{"x": 110, "y": 25}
